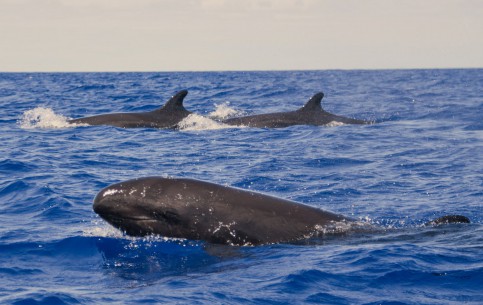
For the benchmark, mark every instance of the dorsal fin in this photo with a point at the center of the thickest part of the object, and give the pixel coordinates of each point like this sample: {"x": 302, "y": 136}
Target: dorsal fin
{"x": 176, "y": 101}
{"x": 314, "y": 103}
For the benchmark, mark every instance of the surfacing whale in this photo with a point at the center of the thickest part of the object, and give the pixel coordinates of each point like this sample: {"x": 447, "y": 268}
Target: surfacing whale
{"x": 199, "y": 210}
{"x": 168, "y": 116}
{"x": 310, "y": 114}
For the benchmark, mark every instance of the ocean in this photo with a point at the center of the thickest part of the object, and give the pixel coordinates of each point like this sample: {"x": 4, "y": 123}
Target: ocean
{"x": 421, "y": 159}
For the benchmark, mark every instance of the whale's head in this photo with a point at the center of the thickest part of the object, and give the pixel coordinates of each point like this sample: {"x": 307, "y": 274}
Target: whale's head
{"x": 142, "y": 207}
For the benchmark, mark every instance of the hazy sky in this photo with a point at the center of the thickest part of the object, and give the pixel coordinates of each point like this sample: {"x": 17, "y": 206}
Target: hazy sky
{"x": 193, "y": 35}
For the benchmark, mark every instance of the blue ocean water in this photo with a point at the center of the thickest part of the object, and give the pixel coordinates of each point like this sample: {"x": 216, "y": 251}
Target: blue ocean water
{"x": 421, "y": 160}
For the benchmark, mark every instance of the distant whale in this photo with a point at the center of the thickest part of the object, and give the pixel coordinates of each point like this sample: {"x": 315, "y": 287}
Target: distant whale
{"x": 199, "y": 210}
{"x": 310, "y": 114}
{"x": 167, "y": 116}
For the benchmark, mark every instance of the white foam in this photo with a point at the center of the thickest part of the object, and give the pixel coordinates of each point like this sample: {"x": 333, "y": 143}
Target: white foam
{"x": 334, "y": 124}
{"x": 102, "y": 229}
{"x": 224, "y": 111}
{"x": 341, "y": 227}
{"x": 198, "y": 122}
{"x": 212, "y": 121}
{"x": 41, "y": 117}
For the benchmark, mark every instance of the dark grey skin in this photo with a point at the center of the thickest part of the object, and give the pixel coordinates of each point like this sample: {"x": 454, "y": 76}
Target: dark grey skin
{"x": 310, "y": 114}
{"x": 199, "y": 210}
{"x": 167, "y": 116}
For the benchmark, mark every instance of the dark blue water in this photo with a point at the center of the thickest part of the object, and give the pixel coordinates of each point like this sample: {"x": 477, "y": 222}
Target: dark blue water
{"x": 423, "y": 159}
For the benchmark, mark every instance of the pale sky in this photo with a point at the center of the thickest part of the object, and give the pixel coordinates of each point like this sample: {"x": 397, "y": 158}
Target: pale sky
{"x": 221, "y": 35}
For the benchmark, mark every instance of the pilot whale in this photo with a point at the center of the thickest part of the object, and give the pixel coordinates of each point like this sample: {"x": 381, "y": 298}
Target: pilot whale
{"x": 168, "y": 116}
{"x": 199, "y": 210}
{"x": 310, "y": 114}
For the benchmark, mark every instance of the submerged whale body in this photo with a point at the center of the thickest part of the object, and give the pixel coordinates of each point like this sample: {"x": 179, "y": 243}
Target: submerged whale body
{"x": 310, "y": 114}
{"x": 199, "y": 210}
{"x": 167, "y": 116}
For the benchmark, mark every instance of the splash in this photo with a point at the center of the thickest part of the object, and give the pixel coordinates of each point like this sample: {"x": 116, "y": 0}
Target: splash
{"x": 101, "y": 229}
{"x": 212, "y": 121}
{"x": 43, "y": 118}
{"x": 334, "y": 124}
{"x": 198, "y": 122}
{"x": 224, "y": 111}
{"x": 343, "y": 227}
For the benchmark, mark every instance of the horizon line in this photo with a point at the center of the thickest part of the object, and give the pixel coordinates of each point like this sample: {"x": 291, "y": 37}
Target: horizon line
{"x": 240, "y": 70}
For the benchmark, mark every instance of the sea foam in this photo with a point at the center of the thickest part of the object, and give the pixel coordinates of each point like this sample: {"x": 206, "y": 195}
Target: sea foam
{"x": 41, "y": 117}
{"x": 212, "y": 121}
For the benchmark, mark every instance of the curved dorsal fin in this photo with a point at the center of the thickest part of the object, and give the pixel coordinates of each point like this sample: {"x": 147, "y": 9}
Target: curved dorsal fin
{"x": 176, "y": 101}
{"x": 314, "y": 103}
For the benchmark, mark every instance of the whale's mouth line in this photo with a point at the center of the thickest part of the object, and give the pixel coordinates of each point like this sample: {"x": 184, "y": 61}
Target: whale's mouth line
{"x": 116, "y": 218}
